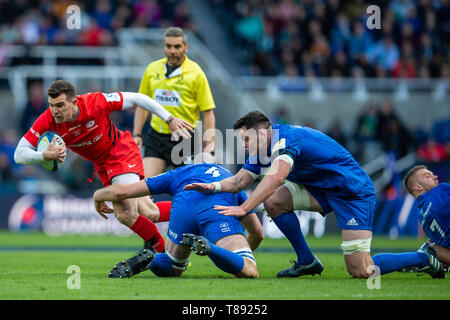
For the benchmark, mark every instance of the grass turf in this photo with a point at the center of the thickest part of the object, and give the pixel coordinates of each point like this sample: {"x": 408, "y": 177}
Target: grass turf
{"x": 34, "y": 266}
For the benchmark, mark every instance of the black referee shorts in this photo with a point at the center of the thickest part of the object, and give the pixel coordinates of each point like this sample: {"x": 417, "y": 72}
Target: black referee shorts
{"x": 160, "y": 145}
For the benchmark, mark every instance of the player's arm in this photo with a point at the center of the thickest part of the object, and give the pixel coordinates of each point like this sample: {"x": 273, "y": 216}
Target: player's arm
{"x": 26, "y": 153}
{"x": 234, "y": 184}
{"x": 251, "y": 223}
{"x": 139, "y": 120}
{"x": 275, "y": 177}
{"x": 178, "y": 127}
{"x": 255, "y": 231}
{"x": 209, "y": 120}
{"x": 118, "y": 192}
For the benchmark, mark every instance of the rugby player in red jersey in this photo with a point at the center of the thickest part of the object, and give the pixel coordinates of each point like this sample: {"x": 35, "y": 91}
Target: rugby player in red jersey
{"x": 84, "y": 123}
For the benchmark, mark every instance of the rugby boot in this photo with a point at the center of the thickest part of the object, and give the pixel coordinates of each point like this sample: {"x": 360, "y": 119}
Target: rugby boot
{"x": 297, "y": 270}
{"x": 133, "y": 265}
{"x": 435, "y": 269}
{"x": 198, "y": 244}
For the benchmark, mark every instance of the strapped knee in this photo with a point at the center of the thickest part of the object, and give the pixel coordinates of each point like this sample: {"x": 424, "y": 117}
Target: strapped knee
{"x": 164, "y": 263}
{"x": 359, "y": 245}
{"x": 246, "y": 253}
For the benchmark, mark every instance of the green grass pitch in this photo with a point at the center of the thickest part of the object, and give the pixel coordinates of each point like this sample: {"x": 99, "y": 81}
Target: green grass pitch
{"x": 34, "y": 266}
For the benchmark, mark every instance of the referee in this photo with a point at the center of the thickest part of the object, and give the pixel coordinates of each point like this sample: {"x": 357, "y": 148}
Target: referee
{"x": 181, "y": 87}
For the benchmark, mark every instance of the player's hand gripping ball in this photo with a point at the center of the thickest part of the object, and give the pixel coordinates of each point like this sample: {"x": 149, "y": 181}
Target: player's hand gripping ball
{"x": 43, "y": 143}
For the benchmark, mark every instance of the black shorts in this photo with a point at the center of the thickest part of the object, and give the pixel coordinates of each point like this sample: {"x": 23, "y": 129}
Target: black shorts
{"x": 160, "y": 145}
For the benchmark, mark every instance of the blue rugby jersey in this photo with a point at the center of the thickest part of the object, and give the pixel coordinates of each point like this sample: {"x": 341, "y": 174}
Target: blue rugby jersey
{"x": 318, "y": 161}
{"x": 434, "y": 214}
{"x": 172, "y": 182}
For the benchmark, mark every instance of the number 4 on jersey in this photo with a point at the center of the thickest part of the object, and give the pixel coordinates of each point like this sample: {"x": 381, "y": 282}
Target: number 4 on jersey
{"x": 214, "y": 171}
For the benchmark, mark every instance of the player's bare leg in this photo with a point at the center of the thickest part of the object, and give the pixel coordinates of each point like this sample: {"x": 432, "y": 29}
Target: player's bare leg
{"x": 126, "y": 211}
{"x": 280, "y": 206}
{"x": 237, "y": 242}
{"x": 443, "y": 254}
{"x": 358, "y": 262}
{"x": 148, "y": 208}
{"x": 178, "y": 252}
{"x": 154, "y": 166}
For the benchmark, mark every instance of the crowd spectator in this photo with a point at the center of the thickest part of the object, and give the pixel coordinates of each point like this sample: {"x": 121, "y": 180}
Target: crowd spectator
{"x": 317, "y": 31}
{"x": 35, "y": 106}
{"x": 32, "y": 22}
{"x": 432, "y": 151}
{"x": 337, "y": 133}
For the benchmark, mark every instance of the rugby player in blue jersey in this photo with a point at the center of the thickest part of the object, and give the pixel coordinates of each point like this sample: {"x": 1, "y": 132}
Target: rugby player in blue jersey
{"x": 303, "y": 169}
{"x": 433, "y": 205}
{"x": 194, "y": 224}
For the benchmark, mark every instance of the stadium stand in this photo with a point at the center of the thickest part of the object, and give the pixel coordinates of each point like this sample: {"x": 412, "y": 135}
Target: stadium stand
{"x": 308, "y": 62}
{"x": 329, "y": 38}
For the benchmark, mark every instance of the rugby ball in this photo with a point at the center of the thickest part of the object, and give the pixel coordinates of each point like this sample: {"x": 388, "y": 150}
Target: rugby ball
{"x": 44, "y": 141}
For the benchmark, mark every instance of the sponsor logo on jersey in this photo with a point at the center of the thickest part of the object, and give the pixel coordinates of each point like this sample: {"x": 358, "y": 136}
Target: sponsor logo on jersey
{"x": 281, "y": 144}
{"x": 35, "y": 133}
{"x": 224, "y": 227}
{"x": 87, "y": 143}
{"x": 168, "y": 97}
{"x": 73, "y": 128}
{"x": 112, "y": 97}
{"x": 173, "y": 234}
{"x": 89, "y": 124}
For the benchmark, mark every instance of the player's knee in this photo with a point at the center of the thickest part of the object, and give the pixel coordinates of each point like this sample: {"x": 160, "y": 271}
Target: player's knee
{"x": 126, "y": 217}
{"x": 165, "y": 265}
{"x": 273, "y": 207}
{"x": 358, "y": 272}
{"x": 358, "y": 266}
{"x": 249, "y": 270}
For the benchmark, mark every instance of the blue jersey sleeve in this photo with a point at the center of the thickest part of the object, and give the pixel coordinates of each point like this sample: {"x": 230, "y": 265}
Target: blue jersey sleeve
{"x": 252, "y": 165}
{"x": 160, "y": 183}
{"x": 284, "y": 144}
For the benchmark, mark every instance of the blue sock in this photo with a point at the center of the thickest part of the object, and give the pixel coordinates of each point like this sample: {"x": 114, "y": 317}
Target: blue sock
{"x": 162, "y": 265}
{"x": 226, "y": 260}
{"x": 389, "y": 262}
{"x": 290, "y": 226}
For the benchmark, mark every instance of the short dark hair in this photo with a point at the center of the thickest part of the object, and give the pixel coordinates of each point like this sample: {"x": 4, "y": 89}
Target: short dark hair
{"x": 60, "y": 87}
{"x": 175, "y": 32}
{"x": 407, "y": 180}
{"x": 254, "y": 120}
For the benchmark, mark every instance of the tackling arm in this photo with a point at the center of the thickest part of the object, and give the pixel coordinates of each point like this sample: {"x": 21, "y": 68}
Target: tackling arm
{"x": 276, "y": 176}
{"x": 234, "y": 184}
{"x": 119, "y": 192}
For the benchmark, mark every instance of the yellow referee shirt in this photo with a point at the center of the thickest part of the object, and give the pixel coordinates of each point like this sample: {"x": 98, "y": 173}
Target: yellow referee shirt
{"x": 184, "y": 93}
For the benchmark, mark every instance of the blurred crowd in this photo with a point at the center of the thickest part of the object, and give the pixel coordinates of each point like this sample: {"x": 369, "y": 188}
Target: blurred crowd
{"x": 284, "y": 37}
{"x": 378, "y": 129}
{"x": 331, "y": 38}
{"x": 32, "y": 22}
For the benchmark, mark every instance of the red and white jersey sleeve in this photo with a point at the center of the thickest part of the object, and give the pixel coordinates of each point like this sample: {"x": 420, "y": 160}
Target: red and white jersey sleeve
{"x": 92, "y": 135}
{"x": 110, "y": 101}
